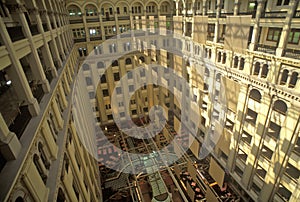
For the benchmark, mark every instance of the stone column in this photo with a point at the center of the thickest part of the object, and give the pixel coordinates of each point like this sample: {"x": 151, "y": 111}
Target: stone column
{"x": 45, "y": 49}
{"x": 218, "y": 13}
{"x": 237, "y": 4}
{"x": 297, "y": 86}
{"x": 60, "y": 47}
{"x": 86, "y": 29}
{"x": 57, "y": 114}
{"x": 204, "y": 7}
{"x": 63, "y": 96}
{"x": 256, "y": 30}
{"x": 53, "y": 42}
{"x": 101, "y": 26}
{"x": 177, "y": 9}
{"x": 234, "y": 143}
{"x": 58, "y": 26}
{"x": 34, "y": 60}
{"x": 17, "y": 75}
{"x": 286, "y": 28}
{"x": 117, "y": 23}
{"x": 262, "y": 123}
{"x": 10, "y": 145}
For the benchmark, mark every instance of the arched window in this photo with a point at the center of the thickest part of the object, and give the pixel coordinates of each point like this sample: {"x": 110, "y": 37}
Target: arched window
{"x": 242, "y": 64}
{"x": 39, "y": 168}
{"x": 60, "y": 196}
{"x": 141, "y": 59}
{"x": 224, "y": 58}
{"x": 115, "y": 63}
{"x": 19, "y": 199}
{"x": 294, "y": 79}
{"x": 265, "y": 71}
{"x": 66, "y": 160}
{"x": 280, "y": 106}
{"x": 256, "y": 68}
{"x": 219, "y": 56}
{"x": 43, "y": 156}
{"x": 85, "y": 66}
{"x": 235, "y": 61}
{"x": 89, "y": 81}
{"x": 100, "y": 65}
{"x": 255, "y": 95}
{"x": 284, "y": 77}
{"x": 90, "y": 10}
{"x": 218, "y": 77}
{"x": 128, "y": 61}
{"x": 206, "y": 72}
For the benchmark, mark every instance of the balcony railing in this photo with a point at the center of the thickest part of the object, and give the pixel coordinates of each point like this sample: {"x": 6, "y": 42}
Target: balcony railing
{"x": 49, "y": 75}
{"x": 297, "y": 14}
{"x": 292, "y": 53}
{"x": 52, "y": 25}
{"x": 223, "y": 15}
{"x": 80, "y": 40}
{"x": 74, "y": 21}
{"x": 92, "y": 19}
{"x": 210, "y": 38}
{"x": 211, "y": 15}
{"x": 274, "y": 14}
{"x": 45, "y": 27}
{"x": 252, "y": 13}
{"x": 104, "y": 19}
{"x": 2, "y": 161}
{"x": 96, "y": 38}
{"x": 21, "y": 121}
{"x": 266, "y": 48}
{"x": 38, "y": 92}
{"x": 15, "y": 33}
{"x": 124, "y": 18}
{"x": 34, "y": 29}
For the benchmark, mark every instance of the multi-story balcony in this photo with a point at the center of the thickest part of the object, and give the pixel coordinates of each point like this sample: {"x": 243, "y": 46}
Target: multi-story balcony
{"x": 16, "y": 33}
{"x": 34, "y": 29}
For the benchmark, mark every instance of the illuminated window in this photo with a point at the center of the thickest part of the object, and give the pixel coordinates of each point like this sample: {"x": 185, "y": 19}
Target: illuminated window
{"x": 274, "y": 34}
{"x": 294, "y": 36}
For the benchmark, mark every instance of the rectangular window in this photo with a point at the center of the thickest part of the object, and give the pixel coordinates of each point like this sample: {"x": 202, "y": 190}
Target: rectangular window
{"x": 294, "y": 36}
{"x": 131, "y": 88}
{"x": 266, "y": 152}
{"x": 116, "y": 76}
{"x": 261, "y": 172}
{"x": 129, "y": 75}
{"x": 274, "y": 34}
{"x": 142, "y": 73}
{"x": 284, "y": 193}
{"x": 251, "y": 116}
{"x": 118, "y": 90}
{"x": 246, "y": 137}
{"x": 91, "y": 95}
{"x": 105, "y": 93}
{"x": 88, "y": 81}
{"x": 103, "y": 79}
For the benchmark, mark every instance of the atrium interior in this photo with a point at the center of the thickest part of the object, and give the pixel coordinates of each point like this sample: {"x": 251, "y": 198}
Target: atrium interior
{"x": 153, "y": 100}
